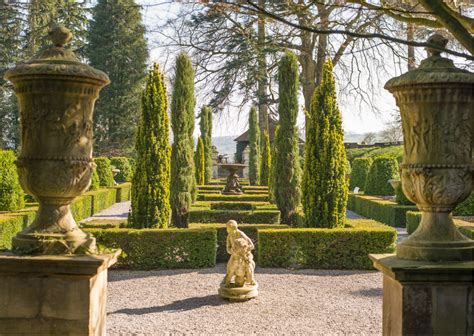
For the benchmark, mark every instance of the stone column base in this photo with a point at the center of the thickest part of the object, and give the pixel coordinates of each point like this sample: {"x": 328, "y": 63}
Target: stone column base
{"x": 426, "y": 298}
{"x": 53, "y": 295}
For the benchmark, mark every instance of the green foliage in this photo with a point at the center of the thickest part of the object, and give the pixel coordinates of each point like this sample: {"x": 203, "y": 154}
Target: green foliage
{"x": 117, "y": 46}
{"x": 205, "y": 125}
{"x": 466, "y": 208}
{"x": 11, "y": 193}
{"x": 266, "y": 162}
{"x": 324, "y": 180}
{"x": 161, "y": 248}
{"x": 151, "y": 179}
{"x": 81, "y": 207}
{"x": 381, "y": 210}
{"x": 233, "y": 206}
{"x": 102, "y": 199}
{"x": 123, "y": 164}
{"x": 123, "y": 192}
{"x": 400, "y": 196}
{"x": 12, "y": 223}
{"x": 254, "y": 147}
{"x": 373, "y": 152}
{"x": 339, "y": 248}
{"x": 413, "y": 219}
{"x": 183, "y": 188}
{"x": 360, "y": 171}
{"x": 199, "y": 162}
{"x": 228, "y": 198}
{"x": 241, "y": 216}
{"x": 95, "y": 181}
{"x": 104, "y": 170}
{"x": 286, "y": 175}
{"x": 381, "y": 170}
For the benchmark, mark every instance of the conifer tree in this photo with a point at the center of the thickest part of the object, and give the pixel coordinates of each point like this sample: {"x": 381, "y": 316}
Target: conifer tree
{"x": 254, "y": 144}
{"x": 151, "y": 178}
{"x": 286, "y": 171}
{"x": 183, "y": 188}
{"x": 325, "y": 186}
{"x": 199, "y": 161}
{"x": 117, "y": 45}
{"x": 206, "y": 135}
{"x": 265, "y": 165}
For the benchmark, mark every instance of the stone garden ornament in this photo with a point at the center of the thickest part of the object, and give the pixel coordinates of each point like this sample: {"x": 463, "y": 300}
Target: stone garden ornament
{"x": 239, "y": 282}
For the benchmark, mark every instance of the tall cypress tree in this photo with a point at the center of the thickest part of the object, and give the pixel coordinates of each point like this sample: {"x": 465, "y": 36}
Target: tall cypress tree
{"x": 206, "y": 135}
{"x": 151, "y": 178}
{"x": 265, "y": 165}
{"x": 199, "y": 162}
{"x": 117, "y": 45}
{"x": 183, "y": 187}
{"x": 254, "y": 144}
{"x": 286, "y": 176}
{"x": 325, "y": 187}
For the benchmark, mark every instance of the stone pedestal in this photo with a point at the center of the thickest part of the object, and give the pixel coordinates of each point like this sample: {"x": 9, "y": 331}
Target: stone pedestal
{"x": 426, "y": 298}
{"x": 53, "y": 295}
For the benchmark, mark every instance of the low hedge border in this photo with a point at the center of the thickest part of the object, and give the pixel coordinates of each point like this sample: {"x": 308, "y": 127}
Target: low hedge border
{"x": 241, "y": 216}
{"x": 414, "y": 218}
{"x": 233, "y": 206}
{"x": 123, "y": 192}
{"x": 237, "y": 198}
{"x": 381, "y": 210}
{"x": 249, "y": 229}
{"x": 345, "y": 248}
{"x": 13, "y": 222}
{"x": 160, "y": 248}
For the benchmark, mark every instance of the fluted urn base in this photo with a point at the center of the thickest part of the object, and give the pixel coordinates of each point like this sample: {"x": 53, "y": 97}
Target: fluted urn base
{"x": 436, "y": 239}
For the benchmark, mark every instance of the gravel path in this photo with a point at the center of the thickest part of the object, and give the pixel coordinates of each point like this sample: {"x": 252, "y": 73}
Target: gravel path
{"x": 304, "y": 302}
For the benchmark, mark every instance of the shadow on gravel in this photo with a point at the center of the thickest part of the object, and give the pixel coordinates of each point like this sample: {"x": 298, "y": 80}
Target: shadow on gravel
{"x": 180, "y": 305}
{"x": 373, "y": 292}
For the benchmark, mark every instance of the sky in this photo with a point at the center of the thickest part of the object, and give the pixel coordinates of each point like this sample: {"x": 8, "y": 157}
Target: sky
{"x": 356, "y": 117}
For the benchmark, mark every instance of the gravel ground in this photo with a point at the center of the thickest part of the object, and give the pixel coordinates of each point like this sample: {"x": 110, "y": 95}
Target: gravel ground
{"x": 116, "y": 211}
{"x": 304, "y": 302}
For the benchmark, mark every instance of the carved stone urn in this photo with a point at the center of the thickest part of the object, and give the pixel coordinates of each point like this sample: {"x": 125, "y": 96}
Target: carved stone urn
{"x": 56, "y": 95}
{"x": 436, "y": 106}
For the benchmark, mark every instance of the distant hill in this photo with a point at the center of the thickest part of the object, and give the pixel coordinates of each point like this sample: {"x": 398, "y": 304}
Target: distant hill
{"x": 225, "y": 144}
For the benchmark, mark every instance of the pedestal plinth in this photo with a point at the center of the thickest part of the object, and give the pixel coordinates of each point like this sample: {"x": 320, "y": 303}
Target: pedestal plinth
{"x": 426, "y": 298}
{"x": 53, "y": 295}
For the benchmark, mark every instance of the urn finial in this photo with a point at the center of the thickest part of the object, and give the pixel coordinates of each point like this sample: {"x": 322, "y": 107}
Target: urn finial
{"x": 439, "y": 42}
{"x": 60, "y": 35}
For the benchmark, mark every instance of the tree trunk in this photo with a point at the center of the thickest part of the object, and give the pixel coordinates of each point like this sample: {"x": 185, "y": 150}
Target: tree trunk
{"x": 411, "y": 49}
{"x": 262, "y": 89}
{"x": 179, "y": 220}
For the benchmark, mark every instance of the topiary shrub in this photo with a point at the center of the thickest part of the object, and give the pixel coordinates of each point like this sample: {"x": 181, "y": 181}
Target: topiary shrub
{"x": 95, "y": 181}
{"x": 466, "y": 208}
{"x": 199, "y": 161}
{"x": 123, "y": 164}
{"x": 359, "y": 173}
{"x": 11, "y": 193}
{"x": 400, "y": 196}
{"x": 266, "y": 162}
{"x": 205, "y": 125}
{"x": 254, "y": 146}
{"x": 382, "y": 169}
{"x": 104, "y": 170}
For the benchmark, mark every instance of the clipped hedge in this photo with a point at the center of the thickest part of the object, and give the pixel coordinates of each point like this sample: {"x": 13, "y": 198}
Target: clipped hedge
{"x": 123, "y": 192}
{"x": 241, "y": 216}
{"x": 95, "y": 181}
{"x": 359, "y": 173}
{"x": 236, "y": 198}
{"x": 466, "y": 208}
{"x": 11, "y": 193}
{"x": 340, "y": 248}
{"x": 104, "y": 170}
{"x": 378, "y": 209}
{"x": 123, "y": 164}
{"x": 81, "y": 207}
{"x": 381, "y": 170}
{"x": 161, "y": 248}
{"x": 12, "y": 223}
{"x": 233, "y": 206}
{"x": 400, "y": 196}
{"x": 249, "y": 229}
{"x": 102, "y": 199}
{"x": 413, "y": 219}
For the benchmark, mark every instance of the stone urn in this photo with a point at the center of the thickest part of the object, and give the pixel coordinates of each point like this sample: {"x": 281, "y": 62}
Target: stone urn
{"x": 56, "y": 95}
{"x": 436, "y": 106}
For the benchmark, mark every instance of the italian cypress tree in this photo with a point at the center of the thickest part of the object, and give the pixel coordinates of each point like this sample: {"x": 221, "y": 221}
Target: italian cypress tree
{"x": 117, "y": 45}
{"x": 265, "y": 165}
{"x": 286, "y": 174}
{"x": 183, "y": 187}
{"x": 151, "y": 178}
{"x": 324, "y": 181}
{"x": 254, "y": 143}
{"x": 199, "y": 162}
{"x": 206, "y": 135}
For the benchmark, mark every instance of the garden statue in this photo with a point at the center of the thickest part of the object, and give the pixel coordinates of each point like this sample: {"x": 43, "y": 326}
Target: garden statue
{"x": 240, "y": 266}
{"x": 232, "y": 186}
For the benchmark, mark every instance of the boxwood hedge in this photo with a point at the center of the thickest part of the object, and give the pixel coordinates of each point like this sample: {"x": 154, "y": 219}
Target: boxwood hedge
{"x": 241, "y": 216}
{"x": 414, "y": 218}
{"x": 233, "y": 206}
{"x": 237, "y": 198}
{"x": 11, "y": 193}
{"x": 359, "y": 172}
{"x": 381, "y": 170}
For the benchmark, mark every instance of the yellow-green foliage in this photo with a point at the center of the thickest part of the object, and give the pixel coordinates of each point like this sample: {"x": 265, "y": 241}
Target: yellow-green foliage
{"x": 183, "y": 188}
{"x": 254, "y": 146}
{"x": 11, "y": 194}
{"x": 123, "y": 164}
{"x": 104, "y": 170}
{"x": 199, "y": 162}
{"x": 400, "y": 196}
{"x": 360, "y": 171}
{"x": 95, "y": 181}
{"x": 466, "y": 208}
{"x": 286, "y": 175}
{"x": 241, "y": 216}
{"x": 381, "y": 170}
{"x": 266, "y": 162}
{"x": 413, "y": 219}
{"x": 339, "y": 248}
{"x": 373, "y": 152}
{"x": 325, "y": 186}
{"x": 151, "y": 179}
{"x": 205, "y": 125}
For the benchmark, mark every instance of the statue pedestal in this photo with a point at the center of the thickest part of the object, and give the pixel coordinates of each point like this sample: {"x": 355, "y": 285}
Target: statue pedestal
{"x": 60, "y": 294}
{"x": 235, "y": 293}
{"x": 428, "y": 298}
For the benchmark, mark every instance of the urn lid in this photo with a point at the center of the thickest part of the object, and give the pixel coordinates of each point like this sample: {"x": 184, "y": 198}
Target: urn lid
{"x": 57, "y": 61}
{"x": 434, "y": 69}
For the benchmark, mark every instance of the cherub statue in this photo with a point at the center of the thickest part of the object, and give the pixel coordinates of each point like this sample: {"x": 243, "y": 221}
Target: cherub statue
{"x": 233, "y": 185}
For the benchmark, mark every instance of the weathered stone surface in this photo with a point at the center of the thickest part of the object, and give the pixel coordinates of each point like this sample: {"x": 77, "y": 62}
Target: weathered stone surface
{"x": 53, "y": 295}
{"x": 423, "y": 298}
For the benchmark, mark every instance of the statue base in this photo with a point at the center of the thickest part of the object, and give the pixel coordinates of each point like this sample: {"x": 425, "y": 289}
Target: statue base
{"x": 54, "y": 243}
{"x": 234, "y": 293}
